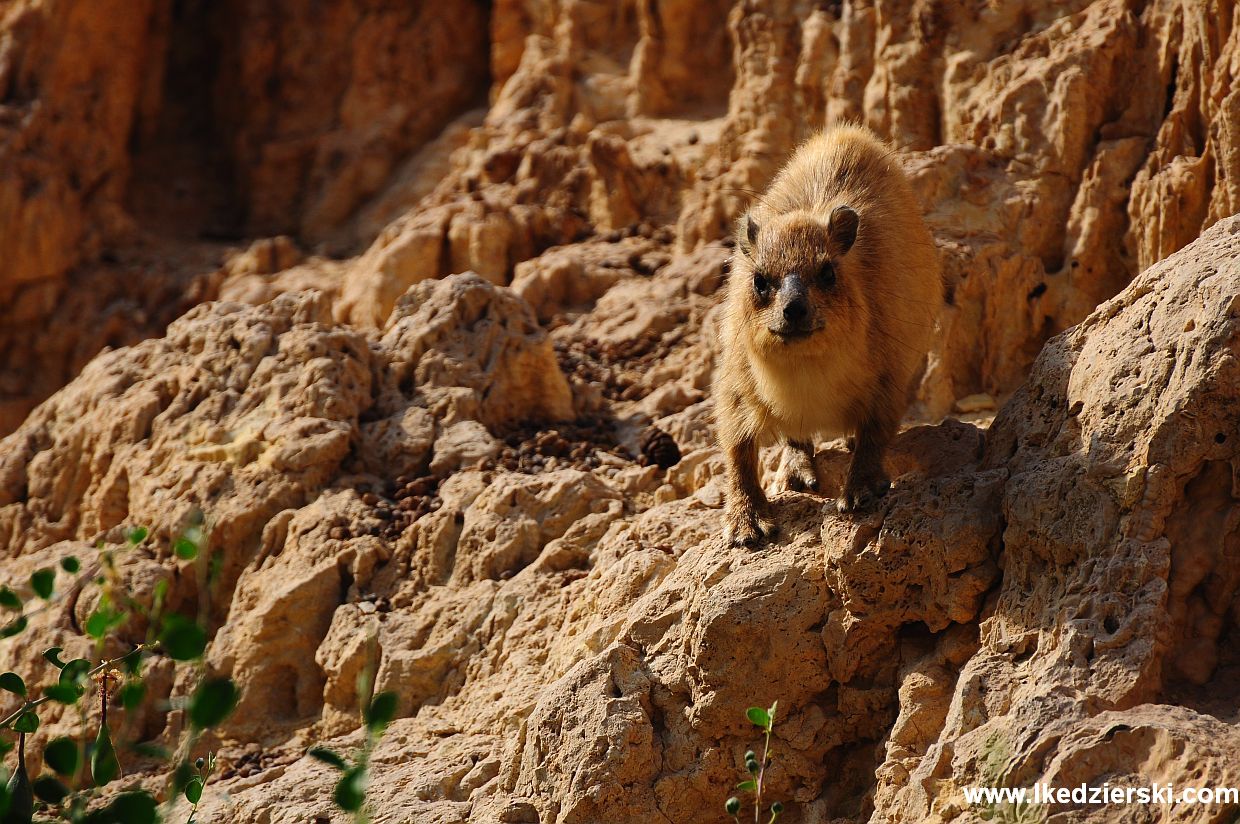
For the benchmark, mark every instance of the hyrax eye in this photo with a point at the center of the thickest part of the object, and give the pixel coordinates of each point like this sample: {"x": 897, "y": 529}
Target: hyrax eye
{"x": 760, "y": 284}
{"x": 826, "y": 275}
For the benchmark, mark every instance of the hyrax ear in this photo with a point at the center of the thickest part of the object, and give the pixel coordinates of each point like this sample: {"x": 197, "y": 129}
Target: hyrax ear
{"x": 748, "y": 235}
{"x": 842, "y": 228}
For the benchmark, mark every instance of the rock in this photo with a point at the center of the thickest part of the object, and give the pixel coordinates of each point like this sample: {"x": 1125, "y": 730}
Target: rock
{"x": 1048, "y": 597}
{"x": 284, "y": 603}
{"x": 463, "y": 445}
{"x": 61, "y": 187}
{"x": 400, "y": 444}
{"x": 1047, "y": 186}
{"x": 980, "y": 402}
{"x": 270, "y": 393}
{"x": 877, "y": 630}
{"x": 215, "y": 119}
{"x": 266, "y": 257}
{"x": 575, "y": 277}
{"x": 1110, "y": 446}
{"x": 472, "y": 350}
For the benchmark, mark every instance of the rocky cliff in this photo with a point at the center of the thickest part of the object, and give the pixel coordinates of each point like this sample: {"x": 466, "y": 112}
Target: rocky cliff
{"x": 400, "y": 290}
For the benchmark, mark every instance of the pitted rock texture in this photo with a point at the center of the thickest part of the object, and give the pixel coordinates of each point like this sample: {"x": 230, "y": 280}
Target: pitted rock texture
{"x": 1058, "y": 148}
{"x": 1048, "y": 600}
{"x": 188, "y": 126}
{"x": 470, "y": 253}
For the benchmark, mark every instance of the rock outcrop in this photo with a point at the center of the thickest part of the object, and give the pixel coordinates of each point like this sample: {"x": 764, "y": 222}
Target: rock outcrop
{"x": 1051, "y": 600}
{"x": 1059, "y": 148}
{"x": 416, "y": 423}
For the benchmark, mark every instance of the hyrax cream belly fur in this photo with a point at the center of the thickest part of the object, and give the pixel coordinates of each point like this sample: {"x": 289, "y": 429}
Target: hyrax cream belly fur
{"x": 831, "y": 307}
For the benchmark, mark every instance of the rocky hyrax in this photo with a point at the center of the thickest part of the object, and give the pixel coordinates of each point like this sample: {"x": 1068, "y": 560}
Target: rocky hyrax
{"x": 831, "y": 304}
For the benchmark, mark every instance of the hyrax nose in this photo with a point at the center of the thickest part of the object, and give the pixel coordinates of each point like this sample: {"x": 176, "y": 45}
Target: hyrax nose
{"x": 796, "y": 310}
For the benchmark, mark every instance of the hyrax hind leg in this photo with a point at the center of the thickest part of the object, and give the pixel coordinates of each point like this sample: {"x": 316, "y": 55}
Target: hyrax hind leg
{"x": 799, "y": 473}
{"x": 867, "y": 481}
{"x": 747, "y": 516}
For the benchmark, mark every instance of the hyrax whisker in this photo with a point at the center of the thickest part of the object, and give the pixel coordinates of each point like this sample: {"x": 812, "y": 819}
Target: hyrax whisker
{"x": 832, "y": 302}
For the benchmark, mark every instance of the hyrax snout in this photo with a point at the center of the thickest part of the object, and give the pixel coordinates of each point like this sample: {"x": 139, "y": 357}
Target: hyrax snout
{"x": 831, "y": 307}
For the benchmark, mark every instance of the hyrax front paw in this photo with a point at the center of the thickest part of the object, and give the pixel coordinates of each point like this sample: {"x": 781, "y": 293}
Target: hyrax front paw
{"x": 862, "y": 493}
{"x": 744, "y": 527}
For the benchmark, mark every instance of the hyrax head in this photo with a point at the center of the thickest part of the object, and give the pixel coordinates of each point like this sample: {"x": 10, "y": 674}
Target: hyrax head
{"x": 792, "y": 266}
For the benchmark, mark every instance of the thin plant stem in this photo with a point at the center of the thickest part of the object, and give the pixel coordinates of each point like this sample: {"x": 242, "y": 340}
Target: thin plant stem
{"x": 766, "y": 750}
{"x": 205, "y": 776}
{"x": 757, "y": 804}
{"x": 29, "y": 705}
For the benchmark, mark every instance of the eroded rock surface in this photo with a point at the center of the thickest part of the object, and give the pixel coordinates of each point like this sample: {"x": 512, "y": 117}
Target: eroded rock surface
{"x": 415, "y": 422}
{"x": 1058, "y": 148}
{"x": 1050, "y": 600}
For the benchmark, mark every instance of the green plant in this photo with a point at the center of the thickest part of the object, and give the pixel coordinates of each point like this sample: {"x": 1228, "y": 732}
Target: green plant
{"x": 77, "y": 766}
{"x": 201, "y": 774}
{"x": 764, "y": 719}
{"x": 377, "y": 712}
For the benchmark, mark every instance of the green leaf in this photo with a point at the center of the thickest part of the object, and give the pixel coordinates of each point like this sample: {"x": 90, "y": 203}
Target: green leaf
{"x": 104, "y": 619}
{"x": 758, "y": 717}
{"x": 104, "y": 765}
{"x": 27, "y": 722}
{"x": 133, "y": 663}
{"x": 20, "y": 796}
{"x": 182, "y": 638}
{"x": 12, "y": 682}
{"x": 185, "y": 549}
{"x": 13, "y": 627}
{"x": 49, "y": 789}
{"x": 212, "y": 702}
{"x": 181, "y": 777}
{"x": 62, "y": 755}
{"x": 9, "y": 599}
{"x": 137, "y": 535}
{"x": 74, "y": 673}
{"x": 136, "y": 807}
{"x": 132, "y": 693}
{"x": 53, "y": 655}
{"x": 193, "y": 790}
{"x": 747, "y": 786}
{"x": 43, "y": 582}
{"x": 71, "y": 565}
{"x": 381, "y": 711}
{"x": 350, "y": 791}
{"x": 63, "y": 693}
{"x": 327, "y": 757}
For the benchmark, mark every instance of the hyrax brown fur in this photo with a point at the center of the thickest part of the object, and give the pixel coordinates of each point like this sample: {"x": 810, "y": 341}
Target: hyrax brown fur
{"x": 831, "y": 307}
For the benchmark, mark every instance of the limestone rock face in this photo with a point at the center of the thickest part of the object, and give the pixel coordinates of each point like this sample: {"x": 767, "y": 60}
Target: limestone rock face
{"x": 1118, "y": 512}
{"x": 387, "y": 295}
{"x": 474, "y": 352}
{"x": 1050, "y": 600}
{"x": 1059, "y": 149}
{"x": 126, "y": 125}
